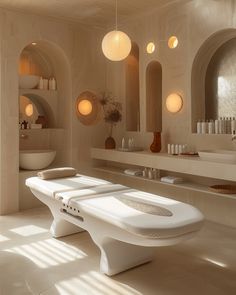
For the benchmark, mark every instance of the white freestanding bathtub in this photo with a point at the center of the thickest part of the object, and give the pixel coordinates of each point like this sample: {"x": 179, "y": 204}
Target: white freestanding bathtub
{"x": 126, "y": 224}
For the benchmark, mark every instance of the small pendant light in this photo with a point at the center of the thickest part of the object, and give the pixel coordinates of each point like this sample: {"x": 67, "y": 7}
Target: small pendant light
{"x": 116, "y": 45}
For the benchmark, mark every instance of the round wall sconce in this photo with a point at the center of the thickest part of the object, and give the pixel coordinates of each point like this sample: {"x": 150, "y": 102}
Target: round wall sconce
{"x": 85, "y": 107}
{"x": 29, "y": 110}
{"x": 173, "y": 42}
{"x": 150, "y": 47}
{"x": 88, "y": 108}
{"x": 174, "y": 103}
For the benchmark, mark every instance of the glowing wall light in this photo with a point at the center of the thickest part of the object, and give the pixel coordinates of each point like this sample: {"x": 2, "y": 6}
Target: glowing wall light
{"x": 173, "y": 42}
{"x": 85, "y": 107}
{"x": 88, "y": 108}
{"x": 29, "y": 110}
{"x": 174, "y": 103}
{"x": 150, "y": 47}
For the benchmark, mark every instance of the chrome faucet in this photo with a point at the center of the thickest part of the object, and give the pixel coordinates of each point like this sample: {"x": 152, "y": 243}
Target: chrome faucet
{"x": 23, "y": 136}
{"x": 233, "y": 135}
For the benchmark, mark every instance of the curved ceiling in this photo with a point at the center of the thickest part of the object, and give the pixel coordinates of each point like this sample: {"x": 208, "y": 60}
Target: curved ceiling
{"x": 93, "y": 12}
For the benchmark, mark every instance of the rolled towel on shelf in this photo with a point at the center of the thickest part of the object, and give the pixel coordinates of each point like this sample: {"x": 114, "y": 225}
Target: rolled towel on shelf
{"x": 171, "y": 179}
{"x": 57, "y": 173}
{"x": 134, "y": 172}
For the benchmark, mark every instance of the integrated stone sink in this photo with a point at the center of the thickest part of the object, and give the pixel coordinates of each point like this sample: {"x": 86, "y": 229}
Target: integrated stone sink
{"x": 225, "y": 156}
{"x": 36, "y": 159}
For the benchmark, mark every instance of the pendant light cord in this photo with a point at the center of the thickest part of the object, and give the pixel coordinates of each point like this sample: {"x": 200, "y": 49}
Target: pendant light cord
{"x": 116, "y": 15}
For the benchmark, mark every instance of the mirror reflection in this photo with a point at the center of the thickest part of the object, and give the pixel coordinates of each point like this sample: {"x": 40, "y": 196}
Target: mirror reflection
{"x": 220, "y": 83}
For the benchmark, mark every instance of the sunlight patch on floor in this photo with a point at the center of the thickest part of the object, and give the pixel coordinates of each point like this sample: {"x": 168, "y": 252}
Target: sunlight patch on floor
{"x": 216, "y": 262}
{"x": 3, "y": 238}
{"x": 93, "y": 283}
{"x": 28, "y": 230}
{"x": 48, "y": 252}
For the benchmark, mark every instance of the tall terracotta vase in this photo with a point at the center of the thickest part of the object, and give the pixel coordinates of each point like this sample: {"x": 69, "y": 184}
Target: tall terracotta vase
{"x": 110, "y": 141}
{"x": 155, "y": 147}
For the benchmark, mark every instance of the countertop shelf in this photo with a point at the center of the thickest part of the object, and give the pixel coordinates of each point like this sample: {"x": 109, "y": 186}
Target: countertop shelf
{"x": 184, "y": 185}
{"x": 181, "y": 164}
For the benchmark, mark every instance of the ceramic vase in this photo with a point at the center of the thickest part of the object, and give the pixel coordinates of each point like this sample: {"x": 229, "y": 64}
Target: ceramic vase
{"x": 42, "y": 120}
{"x": 110, "y": 141}
{"x": 155, "y": 147}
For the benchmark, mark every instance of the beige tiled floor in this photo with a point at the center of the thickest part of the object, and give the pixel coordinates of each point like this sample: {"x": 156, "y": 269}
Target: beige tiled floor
{"x": 32, "y": 262}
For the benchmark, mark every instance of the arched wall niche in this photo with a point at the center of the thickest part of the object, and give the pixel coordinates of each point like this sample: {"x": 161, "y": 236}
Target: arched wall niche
{"x": 132, "y": 89}
{"x": 42, "y": 107}
{"x": 49, "y": 60}
{"x": 199, "y": 72}
{"x": 154, "y": 97}
{"x": 9, "y": 184}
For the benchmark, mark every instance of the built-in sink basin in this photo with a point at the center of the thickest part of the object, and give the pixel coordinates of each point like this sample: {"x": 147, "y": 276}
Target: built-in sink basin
{"x": 36, "y": 159}
{"x": 225, "y": 156}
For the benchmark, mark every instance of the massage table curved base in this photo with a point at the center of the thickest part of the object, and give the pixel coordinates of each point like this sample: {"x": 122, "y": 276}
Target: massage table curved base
{"x": 120, "y": 249}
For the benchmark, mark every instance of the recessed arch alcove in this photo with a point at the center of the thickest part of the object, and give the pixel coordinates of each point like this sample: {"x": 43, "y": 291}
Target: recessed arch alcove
{"x": 59, "y": 60}
{"x": 202, "y": 69}
{"x": 132, "y": 89}
{"x": 154, "y": 97}
{"x": 40, "y": 107}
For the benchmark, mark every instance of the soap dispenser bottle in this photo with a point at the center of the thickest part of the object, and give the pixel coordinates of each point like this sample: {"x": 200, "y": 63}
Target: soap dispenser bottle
{"x": 54, "y": 84}
{"x": 40, "y": 85}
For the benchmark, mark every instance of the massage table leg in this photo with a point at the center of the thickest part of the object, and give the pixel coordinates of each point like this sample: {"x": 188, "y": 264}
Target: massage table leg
{"x": 117, "y": 256}
{"x": 60, "y": 227}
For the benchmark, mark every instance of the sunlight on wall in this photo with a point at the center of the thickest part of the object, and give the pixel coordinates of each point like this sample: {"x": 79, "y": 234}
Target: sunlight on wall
{"x": 48, "y": 252}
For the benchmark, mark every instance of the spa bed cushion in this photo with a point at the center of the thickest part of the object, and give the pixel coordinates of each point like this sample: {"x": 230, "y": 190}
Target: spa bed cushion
{"x": 137, "y": 212}
{"x": 126, "y": 224}
{"x": 54, "y": 186}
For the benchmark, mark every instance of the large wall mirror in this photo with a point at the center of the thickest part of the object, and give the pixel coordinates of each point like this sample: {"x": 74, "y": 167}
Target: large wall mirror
{"x": 220, "y": 86}
{"x": 213, "y": 81}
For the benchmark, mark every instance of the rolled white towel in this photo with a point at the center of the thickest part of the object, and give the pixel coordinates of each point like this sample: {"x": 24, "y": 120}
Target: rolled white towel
{"x": 57, "y": 173}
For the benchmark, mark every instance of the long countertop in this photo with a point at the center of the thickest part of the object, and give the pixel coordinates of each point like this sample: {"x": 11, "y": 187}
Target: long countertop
{"x": 182, "y": 164}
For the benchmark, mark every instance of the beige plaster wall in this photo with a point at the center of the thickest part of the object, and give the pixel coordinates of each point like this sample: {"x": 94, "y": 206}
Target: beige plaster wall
{"x": 193, "y": 23}
{"x": 79, "y": 49}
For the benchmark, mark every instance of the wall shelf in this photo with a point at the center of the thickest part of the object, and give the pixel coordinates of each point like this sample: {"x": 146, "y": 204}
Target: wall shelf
{"x": 39, "y": 92}
{"x": 185, "y": 185}
{"x": 179, "y": 164}
{"x": 41, "y": 129}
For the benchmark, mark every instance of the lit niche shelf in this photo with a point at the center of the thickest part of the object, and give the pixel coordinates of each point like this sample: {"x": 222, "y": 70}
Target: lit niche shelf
{"x": 40, "y": 130}
{"x": 184, "y": 185}
{"x": 39, "y": 92}
{"x": 179, "y": 164}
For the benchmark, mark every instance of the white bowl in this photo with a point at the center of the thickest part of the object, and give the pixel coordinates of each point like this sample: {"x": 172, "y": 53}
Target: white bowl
{"x": 224, "y": 156}
{"x": 28, "y": 81}
{"x": 36, "y": 159}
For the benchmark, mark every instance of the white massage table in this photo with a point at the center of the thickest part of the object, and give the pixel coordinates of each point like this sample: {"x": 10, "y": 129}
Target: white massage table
{"x": 126, "y": 224}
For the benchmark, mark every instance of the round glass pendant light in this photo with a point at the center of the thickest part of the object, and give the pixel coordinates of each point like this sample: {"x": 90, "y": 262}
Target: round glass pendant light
{"x": 116, "y": 45}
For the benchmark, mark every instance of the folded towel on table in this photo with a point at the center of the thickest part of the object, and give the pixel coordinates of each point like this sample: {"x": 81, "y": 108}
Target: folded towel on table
{"x": 57, "y": 173}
